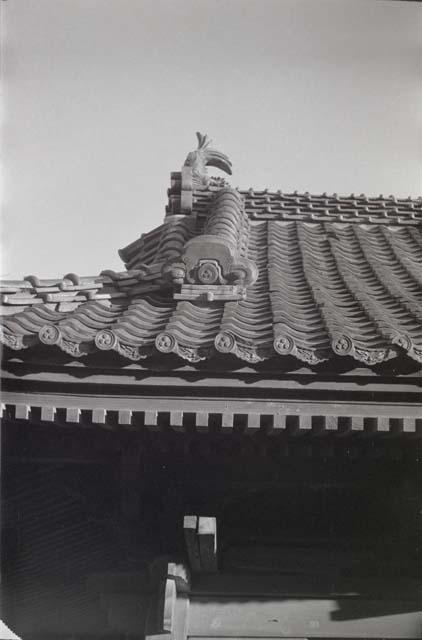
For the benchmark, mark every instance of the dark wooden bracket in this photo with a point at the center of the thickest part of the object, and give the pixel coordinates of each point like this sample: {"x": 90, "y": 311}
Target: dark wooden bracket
{"x": 201, "y": 543}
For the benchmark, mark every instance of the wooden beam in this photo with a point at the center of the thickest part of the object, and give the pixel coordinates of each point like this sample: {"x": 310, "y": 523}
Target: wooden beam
{"x": 207, "y": 535}
{"x": 410, "y": 425}
{"x": 168, "y": 603}
{"x": 227, "y": 420}
{"x": 383, "y": 424}
{"x": 125, "y": 417}
{"x": 73, "y": 414}
{"x": 99, "y": 416}
{"x": 181, "y": 575}
{"x": 150, "y": 418}
{"x": 22, "y": 411}
{"x": 48, "y": 413}
{"x": 305, "y": 423}
{"x": 350, "y": 617}
{"x": 331, "y": 423}
{"x": 176, "y": 420}
{"x": 159, "y": 621}
{"x": 254, "y": 421}
{"x": 190, "y": 526}
{"x": 371, "y": 419}
{"x": 167, "y": 616}
{"x": 201, "y": 420}
{"x": 279, "y": 421}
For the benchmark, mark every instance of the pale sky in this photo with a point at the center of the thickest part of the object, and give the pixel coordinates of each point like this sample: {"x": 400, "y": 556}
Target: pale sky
{"x": 102, "y": 99}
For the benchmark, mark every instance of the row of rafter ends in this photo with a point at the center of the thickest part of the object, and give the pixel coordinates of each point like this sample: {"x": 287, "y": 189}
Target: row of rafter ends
{"x": 184, "y": 421}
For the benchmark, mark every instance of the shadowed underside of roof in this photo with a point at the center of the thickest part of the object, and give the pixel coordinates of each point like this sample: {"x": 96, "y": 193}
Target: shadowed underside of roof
{"x": 252, "y": 274}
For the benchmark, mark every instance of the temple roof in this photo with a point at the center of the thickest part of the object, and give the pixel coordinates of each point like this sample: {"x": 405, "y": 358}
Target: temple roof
{"x": 255, "y": 274}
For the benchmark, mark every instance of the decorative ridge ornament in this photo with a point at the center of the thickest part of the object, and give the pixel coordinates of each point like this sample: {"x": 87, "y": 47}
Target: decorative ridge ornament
{"x": 204, "y": 156}
{"x": 214, "y": 264}
{"x": 194, "y": 175}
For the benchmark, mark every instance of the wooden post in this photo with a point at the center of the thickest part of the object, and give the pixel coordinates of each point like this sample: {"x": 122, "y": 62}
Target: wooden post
{"x": 207, "y": 534}
{"x": 168, "y": 614}
{"x": 201, "y": 543}
{"x": 190, "y": 526}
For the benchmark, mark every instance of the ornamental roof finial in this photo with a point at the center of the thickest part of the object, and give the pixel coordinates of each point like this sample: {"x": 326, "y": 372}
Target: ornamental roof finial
{"x": 204, "y": 156}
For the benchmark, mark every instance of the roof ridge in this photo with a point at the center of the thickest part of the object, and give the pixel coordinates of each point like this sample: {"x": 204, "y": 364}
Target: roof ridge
{"x": 325, "y": 194}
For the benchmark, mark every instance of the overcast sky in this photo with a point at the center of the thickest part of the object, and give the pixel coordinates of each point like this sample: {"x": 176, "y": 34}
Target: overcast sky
{"x": 103, "y": 97}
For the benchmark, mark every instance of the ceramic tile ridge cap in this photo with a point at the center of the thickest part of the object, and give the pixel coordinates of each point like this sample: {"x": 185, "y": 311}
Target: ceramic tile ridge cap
{"x": 305, "y": 200}
{"x": 251, "y": 191}
{"x": 32, "y": 281}
{"x": 68, "y": 282}
{"x": 218, "y": 255}
{"x": 70, "y": 289}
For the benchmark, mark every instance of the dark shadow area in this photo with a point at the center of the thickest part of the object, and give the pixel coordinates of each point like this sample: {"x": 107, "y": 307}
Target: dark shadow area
{"x": 111, "y": 362}
{"x": 86, "y": 510}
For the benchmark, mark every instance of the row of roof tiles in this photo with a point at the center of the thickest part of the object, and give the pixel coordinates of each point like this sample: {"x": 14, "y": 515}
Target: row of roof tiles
{"x": 331, "y": 208}
{"x": 322, "y": 290}
{"x": 331, "y": 196}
